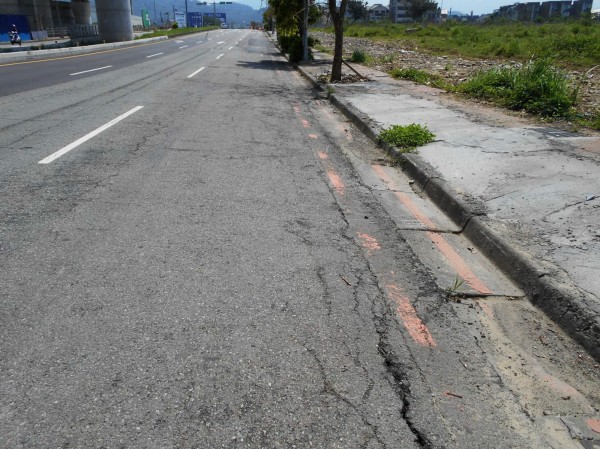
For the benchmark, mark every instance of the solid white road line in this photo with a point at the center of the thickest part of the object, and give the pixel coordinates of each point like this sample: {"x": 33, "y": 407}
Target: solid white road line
{"x": 87, "y": 137}
{"x": 92, "y": 70}
{"x": 155, "y": 54}
{"x": 220, "y": 56}
{"x": 183, "y": 46}
{"x": 196, "y": 72}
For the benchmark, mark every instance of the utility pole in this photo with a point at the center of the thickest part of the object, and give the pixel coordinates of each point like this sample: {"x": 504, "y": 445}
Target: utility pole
{"x": 305, "y": 33}
{"x": 186, "y": 15}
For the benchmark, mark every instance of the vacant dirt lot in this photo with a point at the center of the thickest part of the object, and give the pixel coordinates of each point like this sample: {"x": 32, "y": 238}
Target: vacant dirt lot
{"x": 455, "y": 70}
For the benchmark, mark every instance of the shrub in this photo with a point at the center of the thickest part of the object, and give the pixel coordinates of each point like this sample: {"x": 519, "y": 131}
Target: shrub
{"x": 538, "y": 88}
{"x": 358, "y": 56}
{"x": 489, "y": 85}
{"x": 313, "y": 41}
{"x": 296, "y": 50}
{"x": 292, "y": 45}
{"x": 407, "y": 138}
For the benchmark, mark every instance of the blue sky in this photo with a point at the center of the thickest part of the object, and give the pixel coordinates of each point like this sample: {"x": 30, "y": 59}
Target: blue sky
{"x": 465, "y": 6}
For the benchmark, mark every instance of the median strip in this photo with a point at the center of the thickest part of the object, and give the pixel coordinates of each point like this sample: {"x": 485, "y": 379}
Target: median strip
{"x": 91, "y": 70}
{"x": 87, "y": 137}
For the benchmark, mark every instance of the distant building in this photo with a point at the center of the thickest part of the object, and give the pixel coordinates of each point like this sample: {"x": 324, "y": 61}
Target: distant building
{"x": 528, "y": 12}
{"x": 399, "y": 11}
{"x": 378, "y": 12}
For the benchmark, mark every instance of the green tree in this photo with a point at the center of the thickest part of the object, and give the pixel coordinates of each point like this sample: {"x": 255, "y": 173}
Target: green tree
{"x": 289, "y": 21}
{"x": 418, "y": 8}
{"x": 357, "y": 10}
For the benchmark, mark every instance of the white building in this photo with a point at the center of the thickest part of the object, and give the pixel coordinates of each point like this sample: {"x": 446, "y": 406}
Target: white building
{"x": 378, "y": 12}
{"x": 399, "y": 10}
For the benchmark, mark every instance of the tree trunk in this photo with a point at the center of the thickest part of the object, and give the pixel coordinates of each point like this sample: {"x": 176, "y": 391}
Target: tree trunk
{"x": 337, "y": 18}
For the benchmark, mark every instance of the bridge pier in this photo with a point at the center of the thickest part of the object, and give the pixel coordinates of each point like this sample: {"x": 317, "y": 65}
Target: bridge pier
{"x": 114, "y": 20}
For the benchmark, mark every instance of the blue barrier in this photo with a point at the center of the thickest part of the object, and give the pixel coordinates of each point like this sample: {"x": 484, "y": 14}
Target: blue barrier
{"x": 6, "y": 23}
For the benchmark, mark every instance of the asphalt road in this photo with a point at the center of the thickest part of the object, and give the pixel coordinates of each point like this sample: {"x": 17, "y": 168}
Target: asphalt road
{"x": 188, "y": 259}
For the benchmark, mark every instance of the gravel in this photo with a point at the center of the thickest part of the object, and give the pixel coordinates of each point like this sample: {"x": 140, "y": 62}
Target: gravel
{"x": 388, "y": 56}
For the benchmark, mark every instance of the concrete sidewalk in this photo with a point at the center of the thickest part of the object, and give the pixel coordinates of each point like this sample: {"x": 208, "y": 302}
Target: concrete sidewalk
{"x": 527, "y": 194}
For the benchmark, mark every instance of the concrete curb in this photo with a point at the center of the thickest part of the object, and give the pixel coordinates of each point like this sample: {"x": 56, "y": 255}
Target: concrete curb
{"x": 33, "y": 55}
{"x": 546, "y": 285}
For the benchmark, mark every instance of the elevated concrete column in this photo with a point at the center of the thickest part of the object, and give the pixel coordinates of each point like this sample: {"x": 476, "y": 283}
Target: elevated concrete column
{"x": 114, "y": 20}
{"x": 81, "y": 9}
{"x": 42, "y": 15}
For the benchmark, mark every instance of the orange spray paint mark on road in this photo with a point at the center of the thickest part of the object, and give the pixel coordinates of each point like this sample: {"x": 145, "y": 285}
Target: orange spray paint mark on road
{"x": 305, "y": 123}
{"x": 323, "y": 156}
{"x": 296, "y": 109}
{"x": 336, "y": 181}
{"x": 414, "y": 210}
{"x": 489, "y": 313}
{"x": 594, "y": 424}
{"x": 370, "y": 243}
{"x": 457, "y": 262}
{"x": 385, "y": 177}
{"x": 313, "y": 136}
{"x": 416, "y": 328}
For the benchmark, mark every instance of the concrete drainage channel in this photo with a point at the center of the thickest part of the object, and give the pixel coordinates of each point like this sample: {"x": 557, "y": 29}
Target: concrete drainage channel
{"x": 545, "y": 285}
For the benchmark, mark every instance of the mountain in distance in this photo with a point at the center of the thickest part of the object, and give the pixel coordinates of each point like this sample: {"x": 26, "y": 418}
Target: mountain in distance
{"x": 237, "y": 14}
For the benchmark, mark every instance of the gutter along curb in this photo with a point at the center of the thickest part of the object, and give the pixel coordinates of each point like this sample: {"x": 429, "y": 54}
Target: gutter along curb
{"x": 545, "y": 284}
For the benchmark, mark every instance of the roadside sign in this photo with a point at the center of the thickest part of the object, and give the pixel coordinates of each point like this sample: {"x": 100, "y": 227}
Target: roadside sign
{"x": 180, "y": 19}
{"x": 195, "y": 19}
{"x": 145, "y": 18}
{"x": 217, "y": 15}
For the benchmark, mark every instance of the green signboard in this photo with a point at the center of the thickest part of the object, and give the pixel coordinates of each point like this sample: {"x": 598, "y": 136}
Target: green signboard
{"x": 145, "y": 18}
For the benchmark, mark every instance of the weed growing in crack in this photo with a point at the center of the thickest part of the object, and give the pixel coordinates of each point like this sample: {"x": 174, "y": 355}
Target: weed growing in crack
{"x": 453, "y": 289}
{"x": 407, "y": 138}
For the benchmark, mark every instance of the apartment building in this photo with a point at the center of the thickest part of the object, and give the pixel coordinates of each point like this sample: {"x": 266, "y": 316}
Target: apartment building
{"x": 528, "y": 12}
{"x": 399, "y": 11}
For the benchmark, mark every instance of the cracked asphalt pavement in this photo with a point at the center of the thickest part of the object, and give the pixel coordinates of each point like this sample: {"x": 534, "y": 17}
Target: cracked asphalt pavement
{"x": 212, "y": 271}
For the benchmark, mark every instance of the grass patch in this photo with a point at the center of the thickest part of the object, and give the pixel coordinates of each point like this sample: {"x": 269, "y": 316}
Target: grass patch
{"x": 176, "y": 32}
{"x": 421, "y": 77}
{"x": 358, "y": 56}
{"x": 538, "y": 88}
{"x": 573, "y": 43}
{"x": 407, "y": 138}
{"x": 590, "y": 121}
